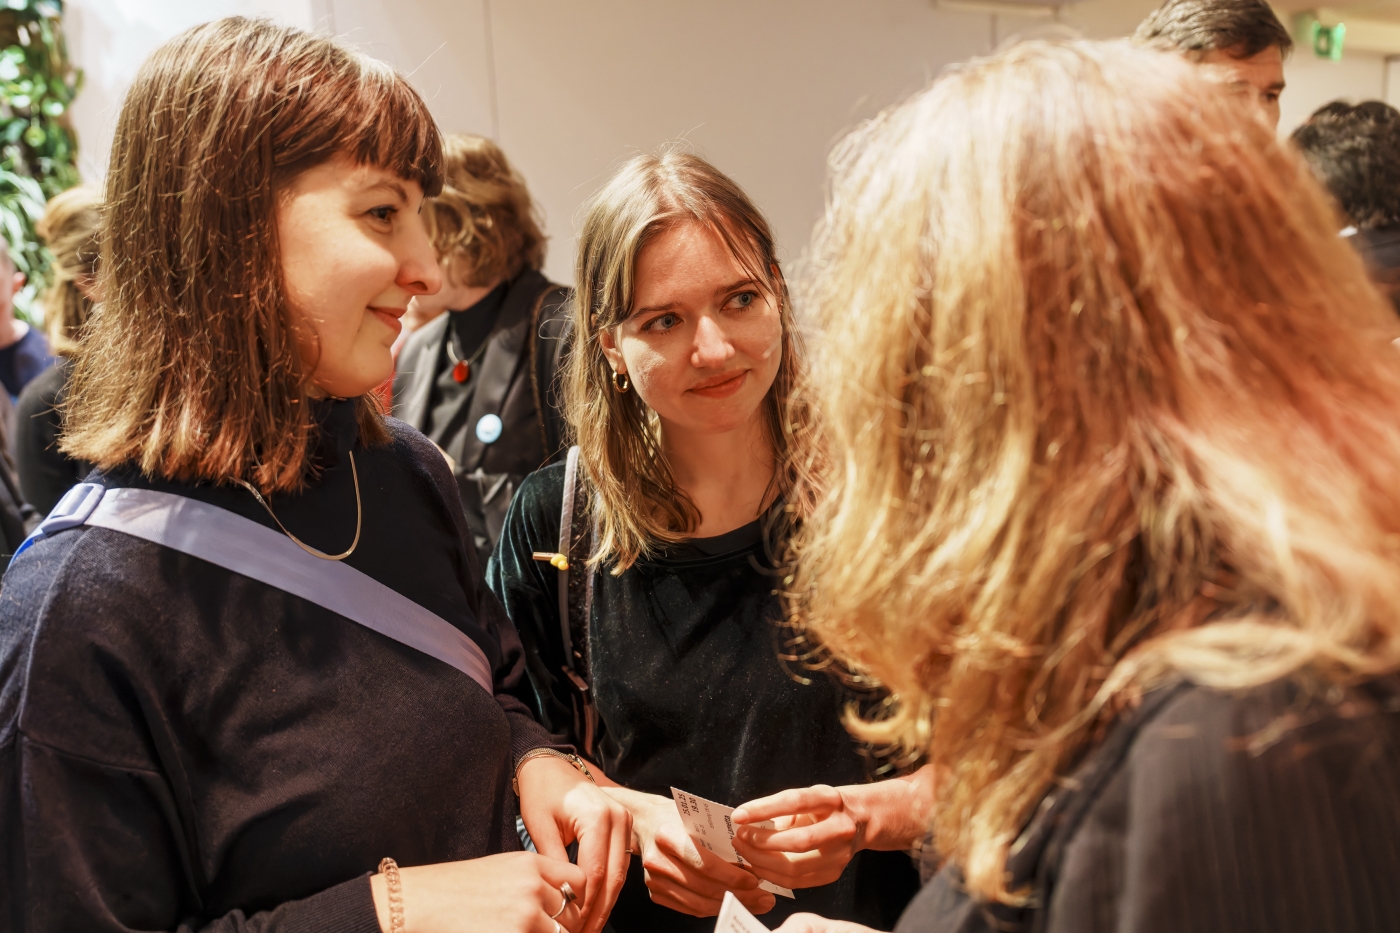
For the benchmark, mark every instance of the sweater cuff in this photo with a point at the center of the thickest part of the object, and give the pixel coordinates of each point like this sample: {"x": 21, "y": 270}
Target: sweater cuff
{"x": 526, "y": 734}
{"x": 346, "y": 908}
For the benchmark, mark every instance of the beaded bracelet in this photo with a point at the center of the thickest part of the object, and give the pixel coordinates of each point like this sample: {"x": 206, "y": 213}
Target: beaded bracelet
{"x": 390, "y": 870}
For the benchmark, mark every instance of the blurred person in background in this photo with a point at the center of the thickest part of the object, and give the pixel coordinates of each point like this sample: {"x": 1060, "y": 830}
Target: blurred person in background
{"x": 192, "y": 738}
{"x": 69, "y": 229}
{"x": 1239, "y": 43}
{"x": 479, "y": 377}
{"x": 1113, "y": 512}
{"x": 24, "y": 353}
{"x": 1354, "y": 150}
{"x": 677, "y": 392}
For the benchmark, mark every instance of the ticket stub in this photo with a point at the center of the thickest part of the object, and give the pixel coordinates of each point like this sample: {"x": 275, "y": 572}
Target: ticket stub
{"x": 735, "y": 917}
{"x": 710, "y": 825}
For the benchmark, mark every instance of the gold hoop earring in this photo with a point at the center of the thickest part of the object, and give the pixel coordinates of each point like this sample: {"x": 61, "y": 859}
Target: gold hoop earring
{"x": 620, "y": 382}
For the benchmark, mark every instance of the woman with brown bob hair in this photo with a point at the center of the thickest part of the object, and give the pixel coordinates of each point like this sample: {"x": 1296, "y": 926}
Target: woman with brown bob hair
{"x": 677, "y": 392}
{"x": 251, "y": 659}
{"x": 1114, "y": 502}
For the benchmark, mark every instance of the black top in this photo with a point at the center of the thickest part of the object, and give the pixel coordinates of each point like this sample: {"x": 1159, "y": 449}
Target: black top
{"x": 691, "y": 693}
{"x": 1264, "y": 812}
{"x": 22, "y": 360}
{"x": 184, "y": 746}
{"x": 45, "y": 472}
{"x": 449, "y": 407}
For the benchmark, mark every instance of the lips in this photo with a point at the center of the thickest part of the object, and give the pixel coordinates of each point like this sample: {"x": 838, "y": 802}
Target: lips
{"x": 721, "y": 386}
{"x": 390, "y": 318}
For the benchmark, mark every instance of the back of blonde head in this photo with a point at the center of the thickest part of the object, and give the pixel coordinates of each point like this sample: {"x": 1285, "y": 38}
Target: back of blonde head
{"x": 1107, "y": 402}
{"x": 69, "y": 229}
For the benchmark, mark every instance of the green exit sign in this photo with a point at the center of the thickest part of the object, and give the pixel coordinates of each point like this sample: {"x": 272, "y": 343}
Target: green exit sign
{"x": 1327, "y": 40}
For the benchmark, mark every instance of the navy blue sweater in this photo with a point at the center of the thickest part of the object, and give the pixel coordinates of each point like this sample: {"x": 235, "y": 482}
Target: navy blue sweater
{"x": 184, "y": 747}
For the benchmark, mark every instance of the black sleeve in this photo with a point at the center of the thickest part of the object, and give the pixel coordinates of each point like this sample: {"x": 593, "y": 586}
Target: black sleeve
{"x": 493, "y": 629}
{"x": 45, "y": 472}
{"x": 88, "y": 837}
{"x": 527, "y": 588}
{"x": 1260, "y": 812}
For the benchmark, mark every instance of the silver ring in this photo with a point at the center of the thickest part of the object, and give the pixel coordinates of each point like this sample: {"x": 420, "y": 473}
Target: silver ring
{"x": 557, "y": 927}
{"x": 566, "y": 891}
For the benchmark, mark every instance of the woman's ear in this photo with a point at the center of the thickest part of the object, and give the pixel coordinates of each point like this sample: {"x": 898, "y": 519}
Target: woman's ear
{"x": 607, "y": 339}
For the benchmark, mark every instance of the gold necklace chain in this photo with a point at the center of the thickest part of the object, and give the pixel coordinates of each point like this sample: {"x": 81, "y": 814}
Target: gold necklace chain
{"x": 359, "y": 515}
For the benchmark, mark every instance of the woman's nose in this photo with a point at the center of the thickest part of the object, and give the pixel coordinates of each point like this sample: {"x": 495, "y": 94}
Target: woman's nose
{"x": 712, "y": 345}
{"x": 419, "y": 272}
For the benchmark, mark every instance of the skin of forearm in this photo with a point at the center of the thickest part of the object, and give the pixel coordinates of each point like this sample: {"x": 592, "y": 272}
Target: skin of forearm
{"x": 894, "y": 812}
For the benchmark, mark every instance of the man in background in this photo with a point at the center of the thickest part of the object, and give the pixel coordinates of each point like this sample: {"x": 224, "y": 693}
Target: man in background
{"x": 1240, "y": 43}
{"x": 1354, "y": 150}
{"x": 479, "y": 377}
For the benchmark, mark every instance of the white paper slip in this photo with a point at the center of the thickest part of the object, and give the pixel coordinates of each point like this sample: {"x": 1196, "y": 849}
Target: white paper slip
{"x": 710, "y": 825}
{"x": 735, "y": 917}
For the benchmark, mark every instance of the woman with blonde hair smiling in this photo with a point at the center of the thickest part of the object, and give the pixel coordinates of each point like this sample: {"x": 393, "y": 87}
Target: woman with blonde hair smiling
{"x": 664, "y": 664}
{"x": 1114, "y": 502}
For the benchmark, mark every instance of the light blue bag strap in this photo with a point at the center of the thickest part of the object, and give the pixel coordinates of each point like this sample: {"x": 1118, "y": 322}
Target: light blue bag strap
{"x": 241, "y": 545}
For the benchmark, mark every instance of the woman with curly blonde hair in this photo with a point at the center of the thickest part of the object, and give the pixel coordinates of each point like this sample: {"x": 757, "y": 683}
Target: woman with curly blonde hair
{"x": 1114, "y": 502}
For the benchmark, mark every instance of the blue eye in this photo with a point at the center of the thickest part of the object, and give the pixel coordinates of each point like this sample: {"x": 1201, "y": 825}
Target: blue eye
{"x": 662, "y": 322}
{"x": 744, "y": 299}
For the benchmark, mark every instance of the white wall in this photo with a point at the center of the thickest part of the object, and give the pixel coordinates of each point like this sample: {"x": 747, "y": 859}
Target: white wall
{"x": 571, "y": 88}
{"x": 109, "y": 39}
{"x": 761, "y": 87}
{"x": 1314, "y": 81}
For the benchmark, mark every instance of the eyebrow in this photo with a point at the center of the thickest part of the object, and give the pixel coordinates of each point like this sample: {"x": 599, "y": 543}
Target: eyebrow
{"x": 391, "y": 186}
{"x": 671, "y": 305}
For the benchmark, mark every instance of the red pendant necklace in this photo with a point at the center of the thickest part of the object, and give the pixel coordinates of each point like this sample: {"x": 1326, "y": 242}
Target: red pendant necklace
{"x": 462, "y": 369}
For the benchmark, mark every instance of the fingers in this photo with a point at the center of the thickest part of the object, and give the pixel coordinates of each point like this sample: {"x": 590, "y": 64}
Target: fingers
{"x": 837, "y": 830}
{"x": 677, "y": 848}
{"x": 553, "y": 905}
{"x": 548, "y": 840}
{"x": 602, "y": 855}
{"x": 556, "y": 872}
{"x": 818, "y": 799}
{"x": 618, "y": 859}
{"x": 669, "y": 893}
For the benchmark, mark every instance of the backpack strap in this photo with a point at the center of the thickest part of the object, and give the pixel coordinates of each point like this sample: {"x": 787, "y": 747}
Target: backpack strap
{"x": 577, "y": 532}
{"x": 240, "y": 545}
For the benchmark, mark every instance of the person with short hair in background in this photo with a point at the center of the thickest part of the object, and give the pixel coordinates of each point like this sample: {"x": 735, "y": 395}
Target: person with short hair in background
{"x": 69, "y": 229}
{"x": 1113, "y": 503}
{"x": 1354, "y": 150}
{"x": 24, "y": 353}
{"x": 1239, "y": 43}
{"x": 479, "y": 376}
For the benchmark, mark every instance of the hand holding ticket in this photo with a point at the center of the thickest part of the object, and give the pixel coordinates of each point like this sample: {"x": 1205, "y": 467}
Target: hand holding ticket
{"x": 735, "y": 918}
{"x": 711, "y": 826}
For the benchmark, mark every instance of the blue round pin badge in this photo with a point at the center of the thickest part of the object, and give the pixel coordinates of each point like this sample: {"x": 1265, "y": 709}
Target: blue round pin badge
{"x": 488, "y": 429}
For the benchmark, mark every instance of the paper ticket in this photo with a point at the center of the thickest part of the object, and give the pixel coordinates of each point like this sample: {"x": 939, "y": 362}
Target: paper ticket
{"x": 735, "y": 917}
{"x": 711, "y": 825}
